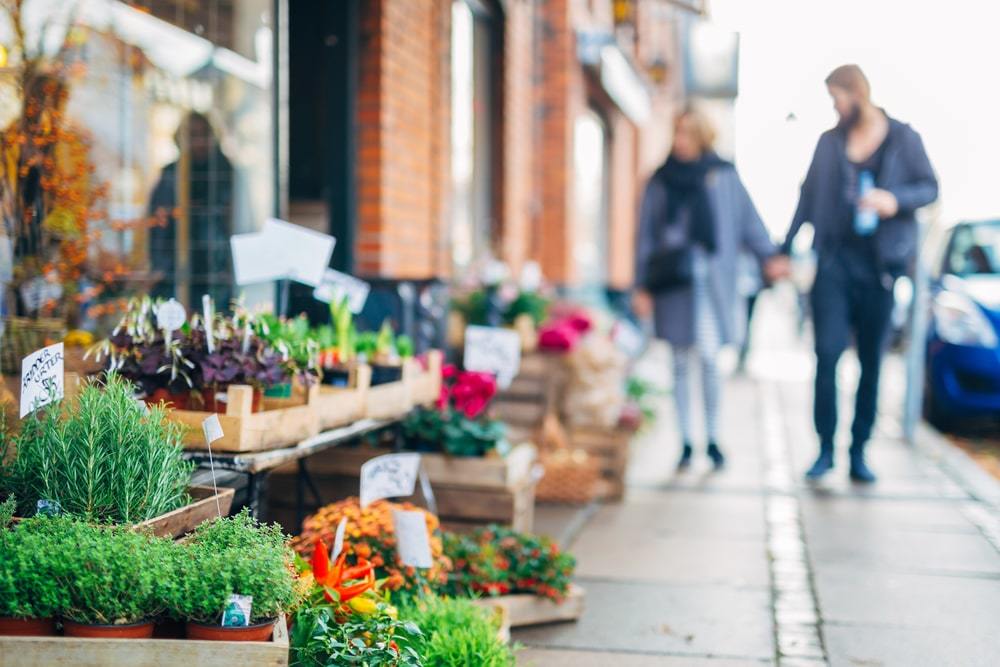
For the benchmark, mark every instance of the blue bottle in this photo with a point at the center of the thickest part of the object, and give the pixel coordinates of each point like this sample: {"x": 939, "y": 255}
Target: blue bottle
{"x": 865, "y": 219}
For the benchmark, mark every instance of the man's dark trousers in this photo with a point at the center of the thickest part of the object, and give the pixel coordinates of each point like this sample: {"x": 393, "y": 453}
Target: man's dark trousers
{"x": 849, "y": 297}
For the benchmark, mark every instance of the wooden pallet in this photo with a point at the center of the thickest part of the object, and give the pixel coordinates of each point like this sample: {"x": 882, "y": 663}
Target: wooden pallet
{"x": 283, "y": 422}
{"x": 525, "y": 609}
{"x": 78, "y": 652}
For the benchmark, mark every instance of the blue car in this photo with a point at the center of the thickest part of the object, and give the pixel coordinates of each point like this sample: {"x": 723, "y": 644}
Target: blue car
{"x": 963, "y": 346}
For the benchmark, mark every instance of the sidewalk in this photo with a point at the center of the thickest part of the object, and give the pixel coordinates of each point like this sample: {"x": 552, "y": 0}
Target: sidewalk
{"x": 751, "y": 566}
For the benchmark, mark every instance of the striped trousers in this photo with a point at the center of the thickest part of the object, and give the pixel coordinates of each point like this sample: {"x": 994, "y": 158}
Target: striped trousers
{"x": 707, "y": 343}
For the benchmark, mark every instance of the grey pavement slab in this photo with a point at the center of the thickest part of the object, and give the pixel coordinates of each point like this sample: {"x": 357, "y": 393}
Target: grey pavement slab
{"x": 894, "y": 515}
{"x": 556, "y": 658}
{"x": 700, "y": 621}
{"x": 887, "y": 599}
{"x": 871, "y": 646}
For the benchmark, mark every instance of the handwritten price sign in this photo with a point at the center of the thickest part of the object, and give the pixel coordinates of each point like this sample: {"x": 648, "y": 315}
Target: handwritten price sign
{"x": 493, "y": 350}
{"x": 389, "y": 476}
{"x": 42, "y": 380}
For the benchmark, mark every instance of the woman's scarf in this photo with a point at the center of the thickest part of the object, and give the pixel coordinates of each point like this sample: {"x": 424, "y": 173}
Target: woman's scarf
{"x": 685, "y": 185}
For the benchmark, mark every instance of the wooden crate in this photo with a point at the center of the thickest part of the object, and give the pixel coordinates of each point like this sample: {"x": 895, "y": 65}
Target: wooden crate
{"x": 340, "y": 406}
{"x": 390, "y": 400}
{"x": 462, "y": 509}
{"x": 55, "y": 651}
{"x": 185, "y": 519}
{"x": 282, "y": 422}
{"x": 488, "y": 472}
{"x": 425, "y": 384}
{"x": 525, "y": 609}
{"x": 611, "y": 447}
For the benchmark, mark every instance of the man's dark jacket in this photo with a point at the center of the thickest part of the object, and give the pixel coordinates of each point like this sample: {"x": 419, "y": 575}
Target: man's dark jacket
{"x": 825, "y": 200}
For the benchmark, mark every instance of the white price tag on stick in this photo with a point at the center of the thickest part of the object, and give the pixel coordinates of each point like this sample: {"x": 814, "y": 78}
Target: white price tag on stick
{"x": 493, "y": 350}
{"x": 338, "y": 540}
{"x": 337, "y": 285}
{"x": 389, "y": 476}
{"x": 212, "y": 428}
{"x": 42, "y": 378}
{"x": 412, "y": 542}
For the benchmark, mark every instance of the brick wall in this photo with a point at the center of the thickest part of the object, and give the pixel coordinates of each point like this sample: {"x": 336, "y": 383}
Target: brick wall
{"x": 402, "y": 118}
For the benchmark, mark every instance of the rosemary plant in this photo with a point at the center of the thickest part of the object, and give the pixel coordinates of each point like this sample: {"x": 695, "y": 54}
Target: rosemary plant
{"x": 106, "y": 459}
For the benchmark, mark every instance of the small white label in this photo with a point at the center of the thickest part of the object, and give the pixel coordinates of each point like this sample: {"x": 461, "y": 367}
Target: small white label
{"x": 142, "y": 406}
{"x": 338, "y": 540}
{"x": 337, "y": 285}
{"x": 208, "y": 311}
{"x": 170, "y": 316}
{"x": 42, "y": 380}
{"x": 389, "y": 476}
{"x": 238, "y": 610}
{"x": 493, "y": 350}
{"x": 412, "y": 541}
{"x": 212, "y": 428}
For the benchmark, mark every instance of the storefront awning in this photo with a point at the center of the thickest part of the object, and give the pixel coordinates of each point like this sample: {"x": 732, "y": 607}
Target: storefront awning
{"x": 618, "y": 77}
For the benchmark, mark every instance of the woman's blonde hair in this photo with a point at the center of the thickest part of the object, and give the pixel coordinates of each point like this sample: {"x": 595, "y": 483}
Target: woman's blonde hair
{"x": 704, "y": 129}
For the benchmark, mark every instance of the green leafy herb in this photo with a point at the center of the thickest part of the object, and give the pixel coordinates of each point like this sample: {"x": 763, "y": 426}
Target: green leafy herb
{"x": 319, "y": 638}
{"x": 104, "y": 460}
{"x": 457, "y": 632}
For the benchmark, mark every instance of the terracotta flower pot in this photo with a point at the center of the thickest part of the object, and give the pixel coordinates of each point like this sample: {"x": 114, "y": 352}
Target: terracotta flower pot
{"x": 178, "y": 401}
{"x": 142, "y": 630}
{"x": 27, "y": 627}
{"x": 260, "y": 632}
{"x": 211, "y": 402}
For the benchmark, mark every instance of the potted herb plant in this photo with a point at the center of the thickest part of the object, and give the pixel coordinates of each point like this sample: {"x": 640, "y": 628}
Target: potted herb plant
{"x": 380, "y": 351}
{"x": 30, "y": 597}
{"x": 105, "y": 460}
{"x": 111, "y": 576}
{"x": 292, "y": 338}
{"x": 338, "y": 342}
{"x": 230, "y": 557}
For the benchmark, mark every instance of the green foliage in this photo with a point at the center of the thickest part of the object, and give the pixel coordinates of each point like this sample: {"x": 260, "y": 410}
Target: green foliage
{"x": 404, "y": 346}
{"x": 457, "y": 633}
{"x": 452, "y": 432}
{"x": 111, "y": 574}
{"x": 527, "y": 303}
{"x": 233, "y": 555}
{"x": 104, "y": 460}
{"x": 30, "y": 559}
{"x": 376, "y": 640}
{"x": 7, "y": 509}
{"x": 293, "y": 338}
{"x": 344, "y": 334}
{"x": 642, "y": 392}
{"x": 385, "y": 341}
{"x": 497, "y": 560}
{"x": 474, "y": 308}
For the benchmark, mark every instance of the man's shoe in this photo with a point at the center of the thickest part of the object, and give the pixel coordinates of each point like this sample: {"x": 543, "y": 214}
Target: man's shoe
{"x": 823, "y": 465}
{"x": 685, "y": 461}
{"x": 714, "y": 453}
{"x": 860, "y": 472}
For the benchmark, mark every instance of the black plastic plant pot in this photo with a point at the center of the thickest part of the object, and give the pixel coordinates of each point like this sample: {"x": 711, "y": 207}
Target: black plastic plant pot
{"x": 386, "y": 374}
{"x": 337, "y": 377}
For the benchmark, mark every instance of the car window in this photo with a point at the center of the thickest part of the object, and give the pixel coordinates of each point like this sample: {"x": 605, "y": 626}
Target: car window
{"x": 975, "y": 250}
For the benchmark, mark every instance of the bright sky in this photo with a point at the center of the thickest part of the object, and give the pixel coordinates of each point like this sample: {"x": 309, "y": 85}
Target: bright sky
{"x": 931, "y": 64}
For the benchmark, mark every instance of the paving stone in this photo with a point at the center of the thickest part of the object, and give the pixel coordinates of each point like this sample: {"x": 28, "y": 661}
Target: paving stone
{"x": 659, "y": 618}
{"x": 885, "y": 598}
{"x": 557, "y": 658}
{"x": 880, "y": 646}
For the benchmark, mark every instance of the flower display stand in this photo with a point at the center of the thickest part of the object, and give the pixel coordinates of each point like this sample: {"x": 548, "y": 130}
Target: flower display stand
{"x": 392, "y": 399}
{"x": 469, "y": 491}
{"x": 32, "y": 651}
{"x": 425, "y": 383}
{"x": 282, "y": 422}
{"x": 524, "y": 609}
{"x": 340, "y": 406}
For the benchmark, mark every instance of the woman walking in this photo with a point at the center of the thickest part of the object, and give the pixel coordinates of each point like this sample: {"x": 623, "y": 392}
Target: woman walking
{"x": 696, "y": 218}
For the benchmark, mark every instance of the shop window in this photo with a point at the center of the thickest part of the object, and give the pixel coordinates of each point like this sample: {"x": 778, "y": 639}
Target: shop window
{"x": 472, "y": 84}
{"x": 590, "y": 200}
{"x": 172, "y": 100}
